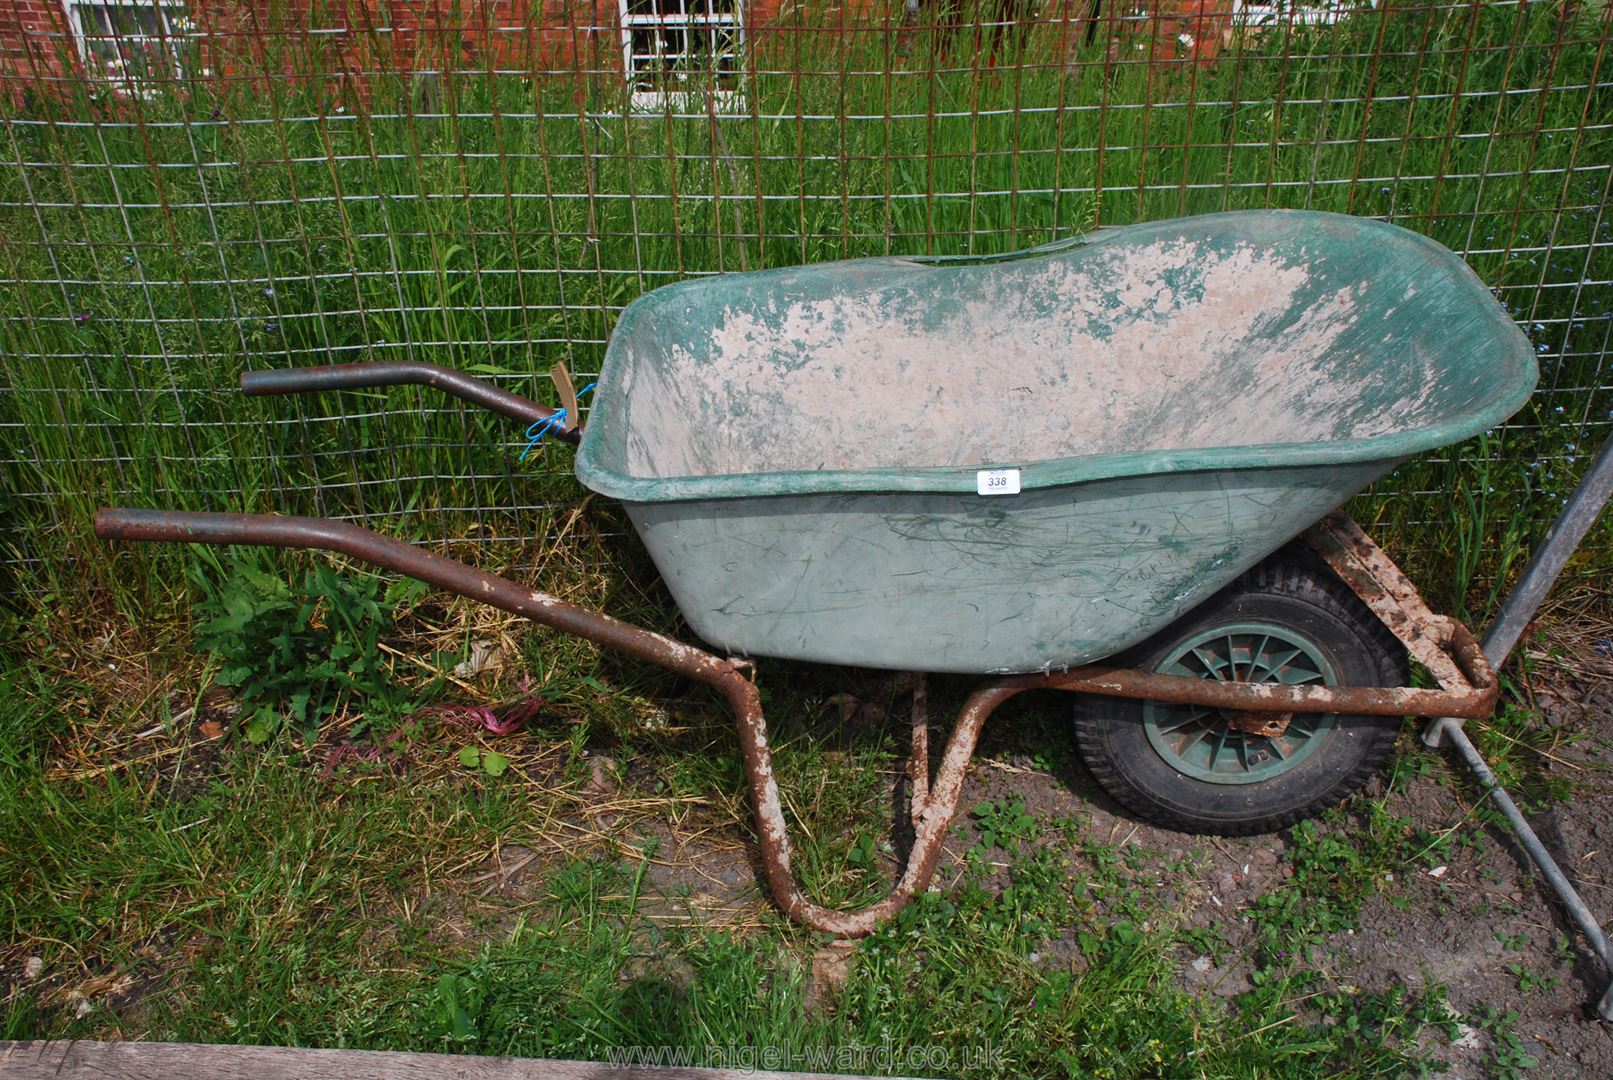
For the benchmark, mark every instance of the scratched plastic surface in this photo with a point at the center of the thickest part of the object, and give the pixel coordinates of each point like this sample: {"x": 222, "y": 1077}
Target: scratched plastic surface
{"x": 812, "y": 455}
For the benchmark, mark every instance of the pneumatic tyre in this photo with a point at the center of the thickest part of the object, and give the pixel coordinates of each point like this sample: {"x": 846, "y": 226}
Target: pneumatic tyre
{"x": 1289, "y": 620}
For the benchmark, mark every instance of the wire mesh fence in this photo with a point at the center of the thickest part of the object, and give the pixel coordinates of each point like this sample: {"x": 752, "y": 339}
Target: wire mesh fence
{"x": 198, "y": 189}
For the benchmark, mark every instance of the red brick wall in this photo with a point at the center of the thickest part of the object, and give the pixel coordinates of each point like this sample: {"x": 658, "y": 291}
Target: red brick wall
{"x": 275, "y": 38}
{"x": 1193, "y": 29}
{"x": 33, "y": 41}
{"x": 548, "y": 35}
{"x": 530, "y": 35}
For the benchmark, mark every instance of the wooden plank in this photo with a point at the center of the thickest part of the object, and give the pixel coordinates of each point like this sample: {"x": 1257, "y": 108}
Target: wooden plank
{"x": 165, "y": 1061}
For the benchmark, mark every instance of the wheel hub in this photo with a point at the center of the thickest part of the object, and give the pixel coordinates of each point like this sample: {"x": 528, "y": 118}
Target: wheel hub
{"x": 1227, "y": 746}
{"x": 1267, "y": 724}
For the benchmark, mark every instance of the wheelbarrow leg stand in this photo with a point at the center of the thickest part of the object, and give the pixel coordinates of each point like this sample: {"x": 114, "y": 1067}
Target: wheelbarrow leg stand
{"x": 1515, "y": 615}
{"x": 933, "y": 808}
{"x": 918, "y": 762}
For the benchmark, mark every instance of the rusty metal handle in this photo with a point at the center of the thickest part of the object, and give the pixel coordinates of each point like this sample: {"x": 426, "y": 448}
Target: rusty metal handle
{"x": 931, "y": 821}
{"x": 316, "y": 380}
{"x": 323, "y": 534}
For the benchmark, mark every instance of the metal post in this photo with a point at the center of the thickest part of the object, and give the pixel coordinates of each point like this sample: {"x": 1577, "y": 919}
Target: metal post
{"x": 1516, "y": 611}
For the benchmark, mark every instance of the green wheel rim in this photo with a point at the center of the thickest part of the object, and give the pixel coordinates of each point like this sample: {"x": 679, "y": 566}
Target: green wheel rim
{"x": 1199, "y": 743}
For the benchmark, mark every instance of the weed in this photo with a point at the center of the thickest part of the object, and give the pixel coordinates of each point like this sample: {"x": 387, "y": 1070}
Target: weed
{"x": 1512, "y": 942}
{"x": 862, "y": 852}
{"x": 1410, "y": 766}
{"x": 1004, "y": 824}
{"x": 1333, "y": 874}
{"x": 1057, "y": 965}
{"x": 1508, "y": 1058}
{"x": 297, "y": 653}
{"x": 490, "y": 762}
{"x": 1208, "y": 941}
{"x": 1516, "y": 742}
{"x": 1530, "y": 982}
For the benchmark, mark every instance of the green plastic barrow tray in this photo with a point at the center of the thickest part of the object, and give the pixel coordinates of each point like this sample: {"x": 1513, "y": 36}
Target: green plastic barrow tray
{"x": 822, "y": 460}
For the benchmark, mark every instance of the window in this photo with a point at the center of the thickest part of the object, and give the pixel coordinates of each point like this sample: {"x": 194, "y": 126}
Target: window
{"x": 682, "y": 49}
{"x": 132, "y": 43}
{"x": 1301, "y": 13}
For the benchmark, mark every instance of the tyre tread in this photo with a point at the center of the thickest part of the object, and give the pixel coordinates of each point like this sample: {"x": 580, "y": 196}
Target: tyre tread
{"x": 1299, "y": 574}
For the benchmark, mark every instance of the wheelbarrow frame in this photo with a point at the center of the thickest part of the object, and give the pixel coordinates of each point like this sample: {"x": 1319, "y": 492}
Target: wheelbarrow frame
{"x": 1467, "y": 686}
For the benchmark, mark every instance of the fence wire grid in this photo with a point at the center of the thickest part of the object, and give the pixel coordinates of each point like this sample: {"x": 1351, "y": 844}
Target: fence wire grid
{"x": 197, "y": 191}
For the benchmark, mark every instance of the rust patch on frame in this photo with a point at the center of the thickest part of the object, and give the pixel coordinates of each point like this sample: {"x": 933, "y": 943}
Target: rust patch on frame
{"x": 918, "y": 763}
{"x": 1271, "y": 725}
{"x": 1441, "y": 644}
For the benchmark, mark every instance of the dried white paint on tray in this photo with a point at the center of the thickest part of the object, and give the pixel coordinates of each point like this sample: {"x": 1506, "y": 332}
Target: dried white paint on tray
{"x": 1173, "y": 345}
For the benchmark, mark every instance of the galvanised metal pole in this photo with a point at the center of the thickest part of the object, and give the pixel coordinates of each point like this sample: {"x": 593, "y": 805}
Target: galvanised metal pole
{"x": 1516, "y": 611}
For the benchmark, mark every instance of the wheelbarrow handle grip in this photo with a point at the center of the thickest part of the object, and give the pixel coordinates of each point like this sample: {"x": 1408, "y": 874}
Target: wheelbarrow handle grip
{"x": 314, "y": 380}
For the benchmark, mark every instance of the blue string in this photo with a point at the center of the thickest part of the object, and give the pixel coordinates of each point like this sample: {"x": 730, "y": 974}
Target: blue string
{"x": 540, "y": 428}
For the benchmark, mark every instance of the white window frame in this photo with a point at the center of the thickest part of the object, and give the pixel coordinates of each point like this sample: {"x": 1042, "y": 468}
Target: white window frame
{"x": 1300, "y": 13}
{"x": 176, "y": 30}
{"x": 693, "y": 99}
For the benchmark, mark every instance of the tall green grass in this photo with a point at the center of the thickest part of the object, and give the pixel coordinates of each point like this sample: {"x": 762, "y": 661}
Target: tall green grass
{"x": 155, "y": 246}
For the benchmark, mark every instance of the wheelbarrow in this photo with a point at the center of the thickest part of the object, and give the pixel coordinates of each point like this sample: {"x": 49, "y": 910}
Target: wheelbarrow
{"x": 1082, "y": 467}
